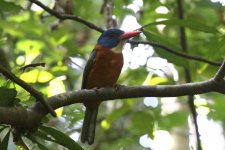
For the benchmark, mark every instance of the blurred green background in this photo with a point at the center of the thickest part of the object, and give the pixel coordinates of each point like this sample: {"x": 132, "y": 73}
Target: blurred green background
{"x": 30, "y": 35}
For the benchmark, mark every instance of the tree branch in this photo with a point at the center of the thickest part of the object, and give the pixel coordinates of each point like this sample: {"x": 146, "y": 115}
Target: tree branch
{"x": 67, "y": 16}
{"x": 220, "y": 73}
{"x": 31, "y": 117}
{"x": 176, "y": 52}
{"x": 108, "y": 10}
{"x": 183, "y": 43}
{"x": 28, "y": 88}
{"x": 32, "y": 65}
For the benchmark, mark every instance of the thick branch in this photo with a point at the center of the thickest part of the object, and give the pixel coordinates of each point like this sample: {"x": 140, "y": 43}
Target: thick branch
{"x": 176, "y": 52}
{"x": 27, "y": 118}
{"x": 123, "y": 92}
{"x": 20, "y": 117}
{"x": 67, "y": 16}
{"x": 32, "y": 65}
{"x": 27, "y": 87}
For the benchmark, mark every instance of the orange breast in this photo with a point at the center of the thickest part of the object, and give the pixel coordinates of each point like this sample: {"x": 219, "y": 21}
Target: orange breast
{"x": 106, "y": 69}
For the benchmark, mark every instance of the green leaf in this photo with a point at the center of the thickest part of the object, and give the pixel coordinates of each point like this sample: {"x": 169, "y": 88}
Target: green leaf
{"x": 2, "y": 128}
{"x": 134, "y": 76}
{"x": 114, "y": 115}
{"x": 4, "y": 138}
{"x": 173, "y": 120}
{"x": 44, "y": 135}
{"x": 9, "y": 7}
{"x": 218, "y": 106}
{"x": 7, "y": 97}
{"x": 192, "y": 24}
{"x": 61, "y": 138}
{"x": 41, "y": 146}
{"x": 163, "y": 53}
{"x": 140, "y": 126}
{"x": 158, "y": 80}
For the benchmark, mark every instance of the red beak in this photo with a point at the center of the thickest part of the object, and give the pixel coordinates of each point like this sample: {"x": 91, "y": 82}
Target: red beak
{"x": 127, "y": 35}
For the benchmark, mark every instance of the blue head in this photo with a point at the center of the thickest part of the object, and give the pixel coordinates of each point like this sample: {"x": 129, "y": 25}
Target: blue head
{"x": 110, "y": 38}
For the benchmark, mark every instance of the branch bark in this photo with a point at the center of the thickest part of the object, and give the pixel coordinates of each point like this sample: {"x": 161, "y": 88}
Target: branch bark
{"x": 32, "y": 65}
{"x": 31, "y": 117}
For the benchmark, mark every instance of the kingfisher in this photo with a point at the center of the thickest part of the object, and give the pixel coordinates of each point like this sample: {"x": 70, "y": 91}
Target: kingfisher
{"x": 102, "y": 70}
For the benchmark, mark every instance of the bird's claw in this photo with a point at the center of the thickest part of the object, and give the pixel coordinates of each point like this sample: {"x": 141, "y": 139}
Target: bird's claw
{"x": 118, "y": 86}
{"x": 96, "y": 89}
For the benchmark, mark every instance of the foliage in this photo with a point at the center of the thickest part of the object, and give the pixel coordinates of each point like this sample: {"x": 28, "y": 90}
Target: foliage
{"x": 27, "y": 36}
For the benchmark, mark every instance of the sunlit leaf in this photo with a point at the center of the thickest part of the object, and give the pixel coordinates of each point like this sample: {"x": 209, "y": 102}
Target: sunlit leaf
{"x": 44, "y": 76}
{"x": 32, "y": 49}
{"x": 20, "y": 17}
{"x": 158, "y": 80}
{"x": 31, "y": 76}
{"x": 56, "y": 86}
{"x": 36, "y": 75}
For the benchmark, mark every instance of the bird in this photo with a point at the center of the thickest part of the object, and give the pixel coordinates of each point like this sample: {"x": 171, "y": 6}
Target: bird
{"x": 102, "y": 70}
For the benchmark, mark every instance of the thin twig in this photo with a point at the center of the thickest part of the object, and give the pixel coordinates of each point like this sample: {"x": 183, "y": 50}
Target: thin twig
{"x": 67, "y": 16}
{"x": 107, "y": 10}
{"x": 176, "y": 52}
{"x": 102, "y": 10}
{"x": 69, "y": 60}
{"x": 183, "y": 43}
{"x": 32, "y": 65}
{"x": 28, "y": 88}
{"x": 220, "y": 73}
{"x": 110, "y": 22}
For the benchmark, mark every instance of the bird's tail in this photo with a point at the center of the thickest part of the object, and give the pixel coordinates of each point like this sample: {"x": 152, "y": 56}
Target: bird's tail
{"x": 89, "y": 123}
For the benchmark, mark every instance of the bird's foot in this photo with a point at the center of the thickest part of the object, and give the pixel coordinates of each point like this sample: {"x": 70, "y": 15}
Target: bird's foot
{"x": 118, "y": 86}
{"x": 96, "y": 90}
